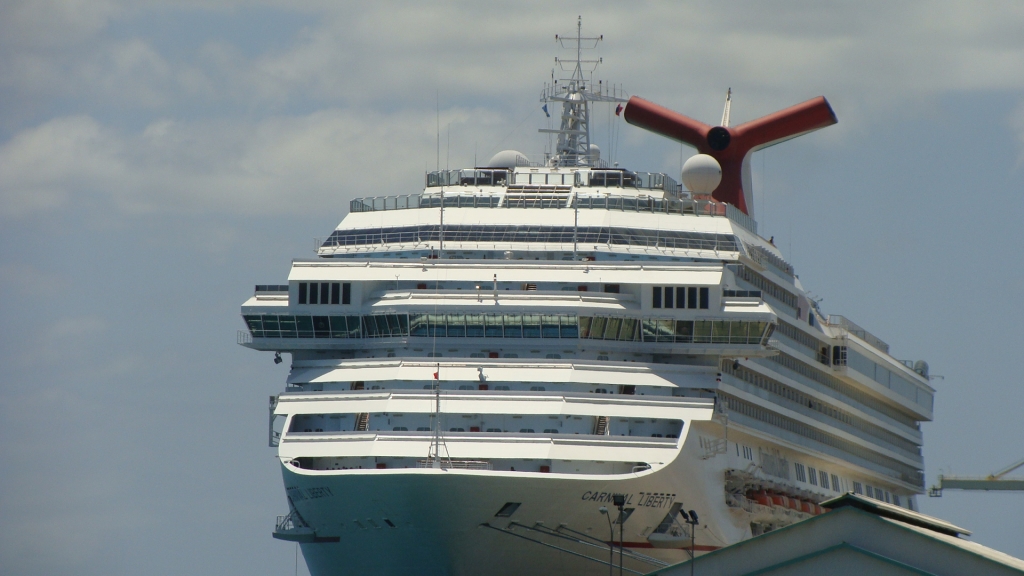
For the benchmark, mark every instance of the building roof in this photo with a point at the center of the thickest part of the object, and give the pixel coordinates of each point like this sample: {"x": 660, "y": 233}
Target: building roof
{"x": 887, "y": 510}
{"x": 857, "y": 536}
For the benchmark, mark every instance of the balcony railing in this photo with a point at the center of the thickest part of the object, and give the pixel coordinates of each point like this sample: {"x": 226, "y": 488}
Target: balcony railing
{"x": 852, "y": 328}
{"x": 641, "y": 203}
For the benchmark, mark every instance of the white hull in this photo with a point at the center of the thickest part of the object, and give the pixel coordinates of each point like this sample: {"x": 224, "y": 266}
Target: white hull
{"x": 438, "y": 519}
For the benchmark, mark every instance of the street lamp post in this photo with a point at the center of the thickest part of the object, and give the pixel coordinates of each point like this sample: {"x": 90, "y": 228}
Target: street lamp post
{"x": 620, "y": 500}
{"x": 611, "y": 540}
{"x": 691, "y": 519}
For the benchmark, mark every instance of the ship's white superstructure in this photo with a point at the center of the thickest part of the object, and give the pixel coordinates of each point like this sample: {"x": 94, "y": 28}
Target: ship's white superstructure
{"x": 478, "y": 369}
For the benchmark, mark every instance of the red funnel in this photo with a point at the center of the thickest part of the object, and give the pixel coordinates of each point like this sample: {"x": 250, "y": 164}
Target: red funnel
{"x": 732, "y": 146}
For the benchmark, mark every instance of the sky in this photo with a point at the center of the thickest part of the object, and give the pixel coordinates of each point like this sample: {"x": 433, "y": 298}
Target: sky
{"x": 158, "y": 159}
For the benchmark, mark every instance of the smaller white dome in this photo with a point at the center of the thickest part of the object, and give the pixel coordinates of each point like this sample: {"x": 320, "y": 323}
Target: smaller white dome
{"x": 701, "y": 174}
{"x": 508, "y": 159}
{"x": 595, "y": 154}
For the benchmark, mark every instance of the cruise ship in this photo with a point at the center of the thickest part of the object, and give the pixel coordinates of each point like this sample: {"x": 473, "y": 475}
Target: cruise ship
{"x": 557, "y": 365}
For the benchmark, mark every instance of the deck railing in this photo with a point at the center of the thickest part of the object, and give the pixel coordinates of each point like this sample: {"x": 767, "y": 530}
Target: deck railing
{"x": 620, "y": 203}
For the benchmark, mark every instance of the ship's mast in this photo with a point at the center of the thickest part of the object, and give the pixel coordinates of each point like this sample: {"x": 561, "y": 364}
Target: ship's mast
{"x": 573, "y": 148}
{"x": 437, "y": 442}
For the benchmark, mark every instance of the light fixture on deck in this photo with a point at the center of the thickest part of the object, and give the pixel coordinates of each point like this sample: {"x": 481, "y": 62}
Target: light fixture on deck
{"x": 277, "y": 358}
{"x": 691, "y": 519}
{"x": 611, "y": 539}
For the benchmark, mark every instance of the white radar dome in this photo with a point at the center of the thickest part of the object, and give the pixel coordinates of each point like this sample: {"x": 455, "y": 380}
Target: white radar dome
{"x": 701, "y": 174}
{"x": 595, "y": 154}
{"x": 508, "y": 159}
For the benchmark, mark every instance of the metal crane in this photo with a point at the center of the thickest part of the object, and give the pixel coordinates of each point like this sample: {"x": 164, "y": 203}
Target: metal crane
{"x": 994, "y": 481}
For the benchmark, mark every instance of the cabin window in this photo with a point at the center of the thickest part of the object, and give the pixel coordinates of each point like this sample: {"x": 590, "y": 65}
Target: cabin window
{"x": 689, "y": 297}
{"x": 325, "y": 293}
{"x": 801, "y": 473}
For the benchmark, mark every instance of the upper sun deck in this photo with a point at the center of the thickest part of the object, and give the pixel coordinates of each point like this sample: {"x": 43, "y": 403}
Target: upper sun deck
{"x": 556, "y": 188}
{"x": 569, "y": 197}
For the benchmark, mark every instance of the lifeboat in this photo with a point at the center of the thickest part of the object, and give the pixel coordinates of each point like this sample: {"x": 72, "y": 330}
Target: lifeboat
{"x": 761, "y": 497}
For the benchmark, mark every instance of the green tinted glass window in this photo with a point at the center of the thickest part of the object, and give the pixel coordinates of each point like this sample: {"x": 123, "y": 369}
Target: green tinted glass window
{"x": 585, "y": 323}
{"x": 255, "y": 324}
{"x": 611, "y": 331}
{"x": 474, "y": 325}
{"x": 321, "y": 327}
{"x": 684, "y": 331}
{"x": 628, "y": 332}
{"x": 288, "y": 329}
{"x": 492, "y": 326}
{"x": 339, "y": 328}
{"x": 702, "y": 332}
{"x": 418, "y": 325}
{"x": 305, "y": 326}
{"x": 370, "y": 327}
{"x": 720, "y": 332}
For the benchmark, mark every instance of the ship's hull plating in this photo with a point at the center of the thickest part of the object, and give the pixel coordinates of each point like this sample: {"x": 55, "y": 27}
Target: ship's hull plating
{"x": 435, "y": 522}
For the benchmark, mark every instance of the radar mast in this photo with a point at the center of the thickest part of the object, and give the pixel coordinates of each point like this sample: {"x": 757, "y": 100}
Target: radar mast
{"x": 573, "y": 148}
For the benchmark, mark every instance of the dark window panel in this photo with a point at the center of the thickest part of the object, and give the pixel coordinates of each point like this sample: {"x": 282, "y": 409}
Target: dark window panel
{"x": 669, "y": 303}
{"x": 657, "y": 297}
{"x": 704, "y": 298}
{"x": 288, "y": 326}
{"x": 370, "y": 327}
{"x": 321, "y": 327}
{"x": 684, "y": 331}
{"x": 680, "y": 297}
{"x": 305, "y": 326}
{"x": 324, "y": 292}
{"x": 382, "y": 325}
{"x": 346, "y": 293}
{"x": 691, "y": 297}
{"x": 314, "y": 292}
{"x": 335, "y": 293}
{"x": 302, "y": 292}
{"x": 339, "y": 328}
{"x": 255, "y": 324}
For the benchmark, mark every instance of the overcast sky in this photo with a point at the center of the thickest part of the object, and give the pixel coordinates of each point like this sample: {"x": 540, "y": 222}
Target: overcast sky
{"x": 158, "y": 159}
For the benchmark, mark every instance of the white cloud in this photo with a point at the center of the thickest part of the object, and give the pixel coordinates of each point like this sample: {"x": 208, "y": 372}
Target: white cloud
{"x": 52, "y": 23}
{"x": 277, "y": 165}
{"x": 220, "y": 127}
